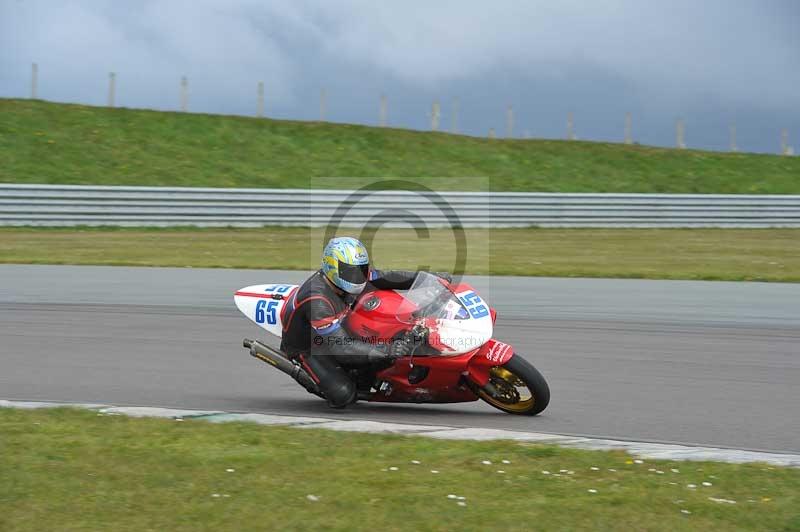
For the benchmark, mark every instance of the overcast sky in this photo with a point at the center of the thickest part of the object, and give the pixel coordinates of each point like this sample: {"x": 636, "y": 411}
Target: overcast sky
{"x": 710, "y": 62}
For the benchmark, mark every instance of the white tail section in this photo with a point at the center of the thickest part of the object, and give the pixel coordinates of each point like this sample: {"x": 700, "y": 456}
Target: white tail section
{"x": 264, "y": 304}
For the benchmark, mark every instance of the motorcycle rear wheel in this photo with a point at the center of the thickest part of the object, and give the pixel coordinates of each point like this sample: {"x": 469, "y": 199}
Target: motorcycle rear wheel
{"x": 521, "y": 388}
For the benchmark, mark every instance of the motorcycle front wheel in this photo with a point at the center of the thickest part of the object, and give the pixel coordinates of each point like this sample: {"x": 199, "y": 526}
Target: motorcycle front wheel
{"x": 516, "y": 387}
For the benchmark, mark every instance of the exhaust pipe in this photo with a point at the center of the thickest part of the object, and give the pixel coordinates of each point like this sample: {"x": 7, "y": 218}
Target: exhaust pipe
{"x": 276, "y": 359}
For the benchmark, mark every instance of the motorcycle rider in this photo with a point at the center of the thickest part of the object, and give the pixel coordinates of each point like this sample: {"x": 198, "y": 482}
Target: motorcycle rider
{"x": 313, "y": 316}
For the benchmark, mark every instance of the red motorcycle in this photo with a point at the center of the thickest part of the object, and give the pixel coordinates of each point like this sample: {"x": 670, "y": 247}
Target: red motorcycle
{"x": 454, "y": 358}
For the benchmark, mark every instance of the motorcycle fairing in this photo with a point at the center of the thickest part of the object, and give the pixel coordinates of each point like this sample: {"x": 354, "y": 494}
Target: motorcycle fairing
{"x": 444, "y": 381}
{"x": 264, "y": 304}
{"x": 491, "y": 354}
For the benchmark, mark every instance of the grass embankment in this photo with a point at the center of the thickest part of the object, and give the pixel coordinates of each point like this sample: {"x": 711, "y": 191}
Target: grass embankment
{"x": 67, "y": 469}
{"x": 43, "y": 142}
{"x": 713, "y": 254}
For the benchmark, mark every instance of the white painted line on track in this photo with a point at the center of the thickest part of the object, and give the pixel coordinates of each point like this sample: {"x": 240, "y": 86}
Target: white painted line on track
{"x": 652, "y": 451}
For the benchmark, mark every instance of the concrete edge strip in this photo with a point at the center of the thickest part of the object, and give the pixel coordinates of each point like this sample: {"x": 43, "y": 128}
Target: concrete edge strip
{"x": 653, "y": 451}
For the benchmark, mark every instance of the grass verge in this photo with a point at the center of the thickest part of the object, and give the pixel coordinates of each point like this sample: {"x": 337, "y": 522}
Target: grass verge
{"x": 711, "y": 254}
{"x": 65, "y": 469}
{"x": 42, "y": 142}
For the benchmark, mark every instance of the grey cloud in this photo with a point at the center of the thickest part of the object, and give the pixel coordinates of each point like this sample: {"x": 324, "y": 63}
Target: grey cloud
{"x": 712, "y": 61}
{"x": 734, "y": 50}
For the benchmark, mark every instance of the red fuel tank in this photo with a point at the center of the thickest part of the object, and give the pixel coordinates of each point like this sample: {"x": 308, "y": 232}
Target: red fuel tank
{"x": 380, "y": 315}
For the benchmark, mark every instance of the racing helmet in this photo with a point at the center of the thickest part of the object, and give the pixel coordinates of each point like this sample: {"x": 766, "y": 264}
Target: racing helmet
{"x": 345, "y": 262}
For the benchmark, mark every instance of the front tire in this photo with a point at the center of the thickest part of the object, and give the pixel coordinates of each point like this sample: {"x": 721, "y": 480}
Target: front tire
{"x": 518, "y": 388}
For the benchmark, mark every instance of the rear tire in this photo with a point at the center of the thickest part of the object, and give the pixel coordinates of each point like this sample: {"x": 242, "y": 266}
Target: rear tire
{"x": 523, "y": 390}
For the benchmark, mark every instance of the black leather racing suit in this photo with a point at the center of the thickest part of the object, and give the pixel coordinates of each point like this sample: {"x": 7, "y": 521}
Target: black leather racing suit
{"x": 313, "y": 333}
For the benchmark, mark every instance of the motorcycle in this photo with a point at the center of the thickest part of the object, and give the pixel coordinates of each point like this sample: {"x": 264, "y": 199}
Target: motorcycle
{"x": 453, "y": 356}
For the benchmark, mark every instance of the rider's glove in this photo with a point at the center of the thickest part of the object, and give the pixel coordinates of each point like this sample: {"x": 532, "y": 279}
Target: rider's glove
{"x": 444, "y": 275}
{"x": 400, "y": 348}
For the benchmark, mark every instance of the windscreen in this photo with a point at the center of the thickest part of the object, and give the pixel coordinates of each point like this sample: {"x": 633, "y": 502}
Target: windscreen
{"x": 433, "y": 299}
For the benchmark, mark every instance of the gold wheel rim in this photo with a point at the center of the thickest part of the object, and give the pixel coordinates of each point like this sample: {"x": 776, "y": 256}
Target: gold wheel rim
{"x": 519, "y": 400}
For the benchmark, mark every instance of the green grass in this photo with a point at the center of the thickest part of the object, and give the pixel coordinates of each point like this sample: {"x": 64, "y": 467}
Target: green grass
{"x": 65, "y": 469}
{"x": 44, "y": 142}
{"x": 712, "y": 254}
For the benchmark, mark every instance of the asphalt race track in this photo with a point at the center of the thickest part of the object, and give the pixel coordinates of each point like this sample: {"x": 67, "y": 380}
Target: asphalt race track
{"x": 708, "y": 363}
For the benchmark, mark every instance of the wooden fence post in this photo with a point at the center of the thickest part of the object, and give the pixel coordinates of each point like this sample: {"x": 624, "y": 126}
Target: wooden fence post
{"x": 184, "y": 94}
{"x": 628, "y": 129}
{"x": 260, "y": 100}
{"x": 112, "y": 88}
{"x": 34, "y": 80}
{"x": 680, "y": 134}
{"x": 570, "y": 126}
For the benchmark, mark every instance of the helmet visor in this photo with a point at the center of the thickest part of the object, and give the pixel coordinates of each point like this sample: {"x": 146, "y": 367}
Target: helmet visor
{"x": 353, "y": 273}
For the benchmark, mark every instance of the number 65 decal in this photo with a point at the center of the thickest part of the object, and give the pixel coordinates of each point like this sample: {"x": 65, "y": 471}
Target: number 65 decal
{"x": 269, "y": 315}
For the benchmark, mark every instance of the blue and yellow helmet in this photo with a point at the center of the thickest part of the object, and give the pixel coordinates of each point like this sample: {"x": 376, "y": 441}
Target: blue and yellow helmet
{"x": 345, "y": 262}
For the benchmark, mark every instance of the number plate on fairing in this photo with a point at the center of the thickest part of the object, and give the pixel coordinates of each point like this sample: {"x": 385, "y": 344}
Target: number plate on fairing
{"x": 470, "y": 330}
{"x": 474, "y": 304}
{"x": 264, "y": 304}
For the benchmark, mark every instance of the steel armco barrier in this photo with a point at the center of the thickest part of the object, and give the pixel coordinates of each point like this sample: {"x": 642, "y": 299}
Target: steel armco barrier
{"x": 57, "y": 205}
